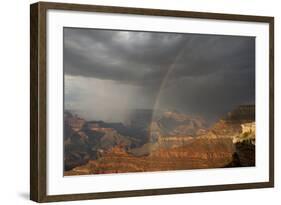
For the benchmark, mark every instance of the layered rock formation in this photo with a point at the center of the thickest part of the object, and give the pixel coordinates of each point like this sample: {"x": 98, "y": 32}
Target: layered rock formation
{"x": 199, "y": 154}
{"x": 245, "y": 146}
{"x": 177, "y": 124}
{"x": 86, "y": 140}
{"x": 172, "y": 141}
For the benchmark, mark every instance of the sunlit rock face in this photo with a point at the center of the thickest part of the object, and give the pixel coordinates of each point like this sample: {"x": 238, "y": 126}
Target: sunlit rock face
{"x": 248, "y": 134}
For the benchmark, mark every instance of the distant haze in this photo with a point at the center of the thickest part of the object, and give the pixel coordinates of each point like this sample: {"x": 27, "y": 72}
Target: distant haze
{"x": 109, "y": 73}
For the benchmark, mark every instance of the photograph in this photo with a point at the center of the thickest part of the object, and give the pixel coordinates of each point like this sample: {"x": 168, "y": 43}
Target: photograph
{"x": 147, "y": 101}
{"x": 132, "y": 101}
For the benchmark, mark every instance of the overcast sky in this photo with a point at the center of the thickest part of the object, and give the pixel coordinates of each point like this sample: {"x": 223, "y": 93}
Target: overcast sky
{"x": 108, "y": 73}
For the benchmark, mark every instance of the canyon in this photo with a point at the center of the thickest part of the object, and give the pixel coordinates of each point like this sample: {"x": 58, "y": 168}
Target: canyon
{"x": 170, "y": 141}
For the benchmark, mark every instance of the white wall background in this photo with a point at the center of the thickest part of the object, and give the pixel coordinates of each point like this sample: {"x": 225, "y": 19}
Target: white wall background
{"x": 14, "y": 103}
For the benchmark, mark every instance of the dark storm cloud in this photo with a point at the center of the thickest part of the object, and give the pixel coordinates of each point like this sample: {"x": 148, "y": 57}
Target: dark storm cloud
{"x": 128, "y": 57}
{"x": 207, "y": 73}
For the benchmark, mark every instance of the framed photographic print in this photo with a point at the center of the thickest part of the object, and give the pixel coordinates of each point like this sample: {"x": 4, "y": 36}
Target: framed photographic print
{"x": 134, "y": 102}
